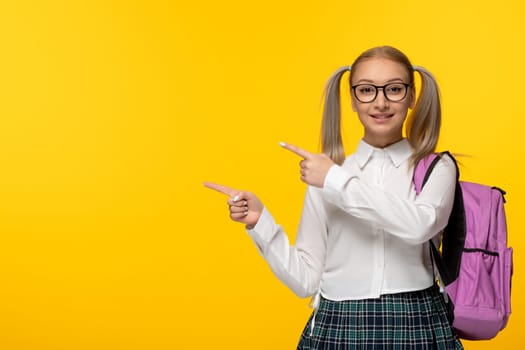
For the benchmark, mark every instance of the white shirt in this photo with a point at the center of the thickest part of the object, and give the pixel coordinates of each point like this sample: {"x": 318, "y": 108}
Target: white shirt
{"x": 365, "y": 233}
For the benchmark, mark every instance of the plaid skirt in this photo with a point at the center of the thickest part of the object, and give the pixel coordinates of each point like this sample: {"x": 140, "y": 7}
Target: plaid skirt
{"x": 410, "y": 320}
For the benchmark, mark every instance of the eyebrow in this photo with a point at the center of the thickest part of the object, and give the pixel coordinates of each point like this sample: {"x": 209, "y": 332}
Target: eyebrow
{"x": 371, "y": 81}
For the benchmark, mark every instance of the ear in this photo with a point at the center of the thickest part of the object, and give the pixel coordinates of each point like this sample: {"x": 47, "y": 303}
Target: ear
{"x": 353, "y": 102}
{"x": 412, "y": 97}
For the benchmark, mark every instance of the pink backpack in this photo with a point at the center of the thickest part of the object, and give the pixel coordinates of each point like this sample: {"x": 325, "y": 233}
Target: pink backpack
{"x": 474, "y": 264}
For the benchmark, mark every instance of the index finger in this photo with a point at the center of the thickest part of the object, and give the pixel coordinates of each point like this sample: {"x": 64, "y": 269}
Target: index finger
{"x": 221, "y": 188}
{"x": 299, "y": 151}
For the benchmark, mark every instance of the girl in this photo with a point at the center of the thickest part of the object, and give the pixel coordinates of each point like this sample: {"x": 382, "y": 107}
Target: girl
{"x": 362, "y": 244}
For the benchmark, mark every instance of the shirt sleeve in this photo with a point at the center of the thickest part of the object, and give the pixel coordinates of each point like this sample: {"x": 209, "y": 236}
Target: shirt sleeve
{"x": 298, "y": 266}
{"x": 415, "y": 221}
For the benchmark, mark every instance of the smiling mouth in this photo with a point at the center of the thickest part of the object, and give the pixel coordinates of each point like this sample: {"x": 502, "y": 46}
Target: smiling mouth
{"x": 382, "y": 116}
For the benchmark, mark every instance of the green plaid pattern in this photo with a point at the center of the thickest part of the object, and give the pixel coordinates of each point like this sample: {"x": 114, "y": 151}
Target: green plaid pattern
{"x": 411, "y": 320}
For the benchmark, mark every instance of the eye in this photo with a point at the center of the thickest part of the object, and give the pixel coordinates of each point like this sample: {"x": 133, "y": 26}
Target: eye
{"x": 366, "y": 90}
{"x": 395, "y": 89}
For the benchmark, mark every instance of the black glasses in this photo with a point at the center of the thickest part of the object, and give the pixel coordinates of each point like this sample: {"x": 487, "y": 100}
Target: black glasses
{"x": 393, "y": 92}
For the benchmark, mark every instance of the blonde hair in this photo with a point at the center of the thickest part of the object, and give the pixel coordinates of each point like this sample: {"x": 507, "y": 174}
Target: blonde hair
{"x": 422, "y": 125}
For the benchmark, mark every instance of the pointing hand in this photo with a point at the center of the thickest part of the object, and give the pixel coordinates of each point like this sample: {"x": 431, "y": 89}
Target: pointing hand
{"x": 314, "y": 167}
{"x": 244, "y": 206}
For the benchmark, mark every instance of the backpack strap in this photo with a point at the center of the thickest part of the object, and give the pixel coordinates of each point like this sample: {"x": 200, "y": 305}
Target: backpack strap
{"x": 448, "y": 262}
{"x": 423, "y": 170}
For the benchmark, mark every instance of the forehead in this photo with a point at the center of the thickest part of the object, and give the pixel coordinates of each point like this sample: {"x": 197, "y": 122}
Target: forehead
{"x": 379, "y": 70}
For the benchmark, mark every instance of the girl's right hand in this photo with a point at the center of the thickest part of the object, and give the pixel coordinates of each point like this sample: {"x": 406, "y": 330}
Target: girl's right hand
{"x": 244, "y": 206}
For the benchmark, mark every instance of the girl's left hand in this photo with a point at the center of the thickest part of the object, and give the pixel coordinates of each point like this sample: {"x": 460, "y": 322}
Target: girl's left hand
{"x": 314, "y": 167}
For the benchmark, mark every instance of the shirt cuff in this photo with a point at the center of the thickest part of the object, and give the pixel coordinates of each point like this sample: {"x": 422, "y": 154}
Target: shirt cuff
{"x": 264, "y": 229}
{"x": 334, "y": 183}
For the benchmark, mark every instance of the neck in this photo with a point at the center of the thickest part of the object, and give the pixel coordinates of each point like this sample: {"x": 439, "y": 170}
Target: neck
{"x": 381, "y": 143}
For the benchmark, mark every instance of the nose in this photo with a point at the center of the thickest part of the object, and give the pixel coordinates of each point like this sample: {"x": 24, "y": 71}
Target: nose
{"x": 381, "y": 101}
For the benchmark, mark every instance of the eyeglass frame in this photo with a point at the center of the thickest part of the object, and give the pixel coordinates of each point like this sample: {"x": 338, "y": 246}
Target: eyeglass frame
{"x": 382, "y": 87}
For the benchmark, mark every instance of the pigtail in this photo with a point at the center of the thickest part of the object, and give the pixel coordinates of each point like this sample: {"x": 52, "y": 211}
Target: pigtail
{"x": 331, "y": 139}
{"x": 424, "y": 122}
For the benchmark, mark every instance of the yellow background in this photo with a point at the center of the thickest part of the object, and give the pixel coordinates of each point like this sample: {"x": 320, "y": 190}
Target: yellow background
{"x": 113, "y": 113}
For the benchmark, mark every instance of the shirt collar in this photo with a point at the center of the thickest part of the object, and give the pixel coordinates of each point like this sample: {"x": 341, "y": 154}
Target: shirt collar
{"x": 397, "y": 152}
